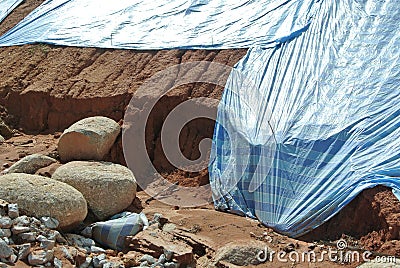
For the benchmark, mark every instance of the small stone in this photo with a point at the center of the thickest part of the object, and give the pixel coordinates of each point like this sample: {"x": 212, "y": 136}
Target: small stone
{"x": 49, "y": 264}
{"x": 35, "y": 222}
{"x": 102, "y": 263}
{"x": 94, "y": 249}
{"x": 144, "y": 264}
{"x": 13, "y": 258}
{"x": 7, "y": 240}
{"x": 5, "y": 233}
{"x": 22, "y": 221}
{"x": 168, "y": 254}
{"x": 3, "y": 265}
{"x": 5, "y": 222}
{"x": 20, "y": 229}
{"x": 171, "y": 265}
{"x": 130, "y": 259}
{"x": 162, "y": 259}
{"x": 5, "y": 250}
{"x": 87, "y": 263}
{"x": 98, "y": 259}
{"x": 50, "y": 223}
{"x": 58, "y": 237}
{"x": 47, "y": 244}
{"x": 87, "y": 232}
{"x": 156, "y": 218}
{"x": 40, "y": 238}
{"x": 289, "y": 247}
{"x": 40, "y": 257}
{"x": 111, "y": 265}
{"x": 169, "y": 227}
{"x": 69, "y": 255}
{"x": 23, "y": 251}
{"x": 28, "y": 237}
{"x": 148, "y": 258}
{"x": 80, "y": 241}
{"x": 57, "y": 263}
{"x": 13, "y": 211}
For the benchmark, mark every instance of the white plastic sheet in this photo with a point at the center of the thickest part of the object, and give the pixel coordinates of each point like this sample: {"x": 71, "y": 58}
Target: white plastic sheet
{"x": 6, "y": 6}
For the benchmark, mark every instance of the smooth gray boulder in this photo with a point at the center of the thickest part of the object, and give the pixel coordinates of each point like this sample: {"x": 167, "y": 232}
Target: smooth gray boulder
{"x": 108, "y": 188}
{"x": 88, "y": 139}
{"x": 39, "y": 196}
{"x": 30, "y": 164}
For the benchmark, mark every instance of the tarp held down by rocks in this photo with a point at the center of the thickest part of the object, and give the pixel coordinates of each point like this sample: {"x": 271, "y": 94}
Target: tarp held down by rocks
{"x": 309, "y": 117}
{"x": 6, "y": 6}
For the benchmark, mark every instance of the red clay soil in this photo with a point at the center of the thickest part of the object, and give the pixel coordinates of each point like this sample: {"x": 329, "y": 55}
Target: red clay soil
{"x": 44, "y": 89}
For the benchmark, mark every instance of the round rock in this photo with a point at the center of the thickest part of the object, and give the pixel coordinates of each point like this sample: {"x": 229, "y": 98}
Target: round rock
{"x": 30, "y": 164}
{"x": 39, "y": 196}
{"x": 88, "y": 139}
{"x": 108, "y": 188}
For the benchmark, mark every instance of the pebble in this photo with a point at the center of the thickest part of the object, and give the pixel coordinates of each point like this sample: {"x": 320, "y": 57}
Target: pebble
{"x": 22, "y": 221}
{"x": 40, "y": 257}
{"x": 5, "y": 233}
{"x": 148, "y": 258}
{"x": 98, "y": 259}
{"x": 58, "y": 237}
{"x": 13, "y": 258}
{"x": 94, "y": 249}
{"x": 13, "y": 211}
{"x": 87, "y": 263}
{"x": 28, "y": 237}
{"x": 111, "y": 265}
{"x": 57, "y": 263}
{"x": 47, "y": 244}
{"x": 3, "y": 265}
{"x": 87, "y": 232}
{"x": 80, "y": 241}
{"x": 5, "y": 222}
{"x": 35, "y": 222}
{"x": 8, "y": 240}
{"x": 5, "y": 250}
{"x": 20, "y": 229}
{"x": 168, "y": 254}
{"x": 24, "y": 251}
{"x": 50, "y": 222}
{"x": 162, "y": 259}
{"x": 67, "y": 254}
{"x": 171, "y": 265}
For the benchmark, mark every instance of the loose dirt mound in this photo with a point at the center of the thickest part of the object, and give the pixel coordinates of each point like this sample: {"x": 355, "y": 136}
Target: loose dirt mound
{"x": 44, "y": 89}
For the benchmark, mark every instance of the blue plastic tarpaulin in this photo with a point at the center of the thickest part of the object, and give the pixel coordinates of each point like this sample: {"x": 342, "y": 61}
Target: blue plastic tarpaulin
{"x": 6, "y": 6}
{"x": 161, "y": 24}
{"x": 307, "y": 125}
{"x": 309, "y": 117}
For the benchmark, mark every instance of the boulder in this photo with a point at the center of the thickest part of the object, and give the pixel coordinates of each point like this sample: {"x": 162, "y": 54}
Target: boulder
{"x": 30, "y": 164}
{"x": 108, "y": 188}
{"x": 40, "y": 196}
{"x": 88, "y": 139}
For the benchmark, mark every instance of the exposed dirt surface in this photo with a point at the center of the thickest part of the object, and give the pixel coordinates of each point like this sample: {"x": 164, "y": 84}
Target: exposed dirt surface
{"x": 44, "y": 89}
